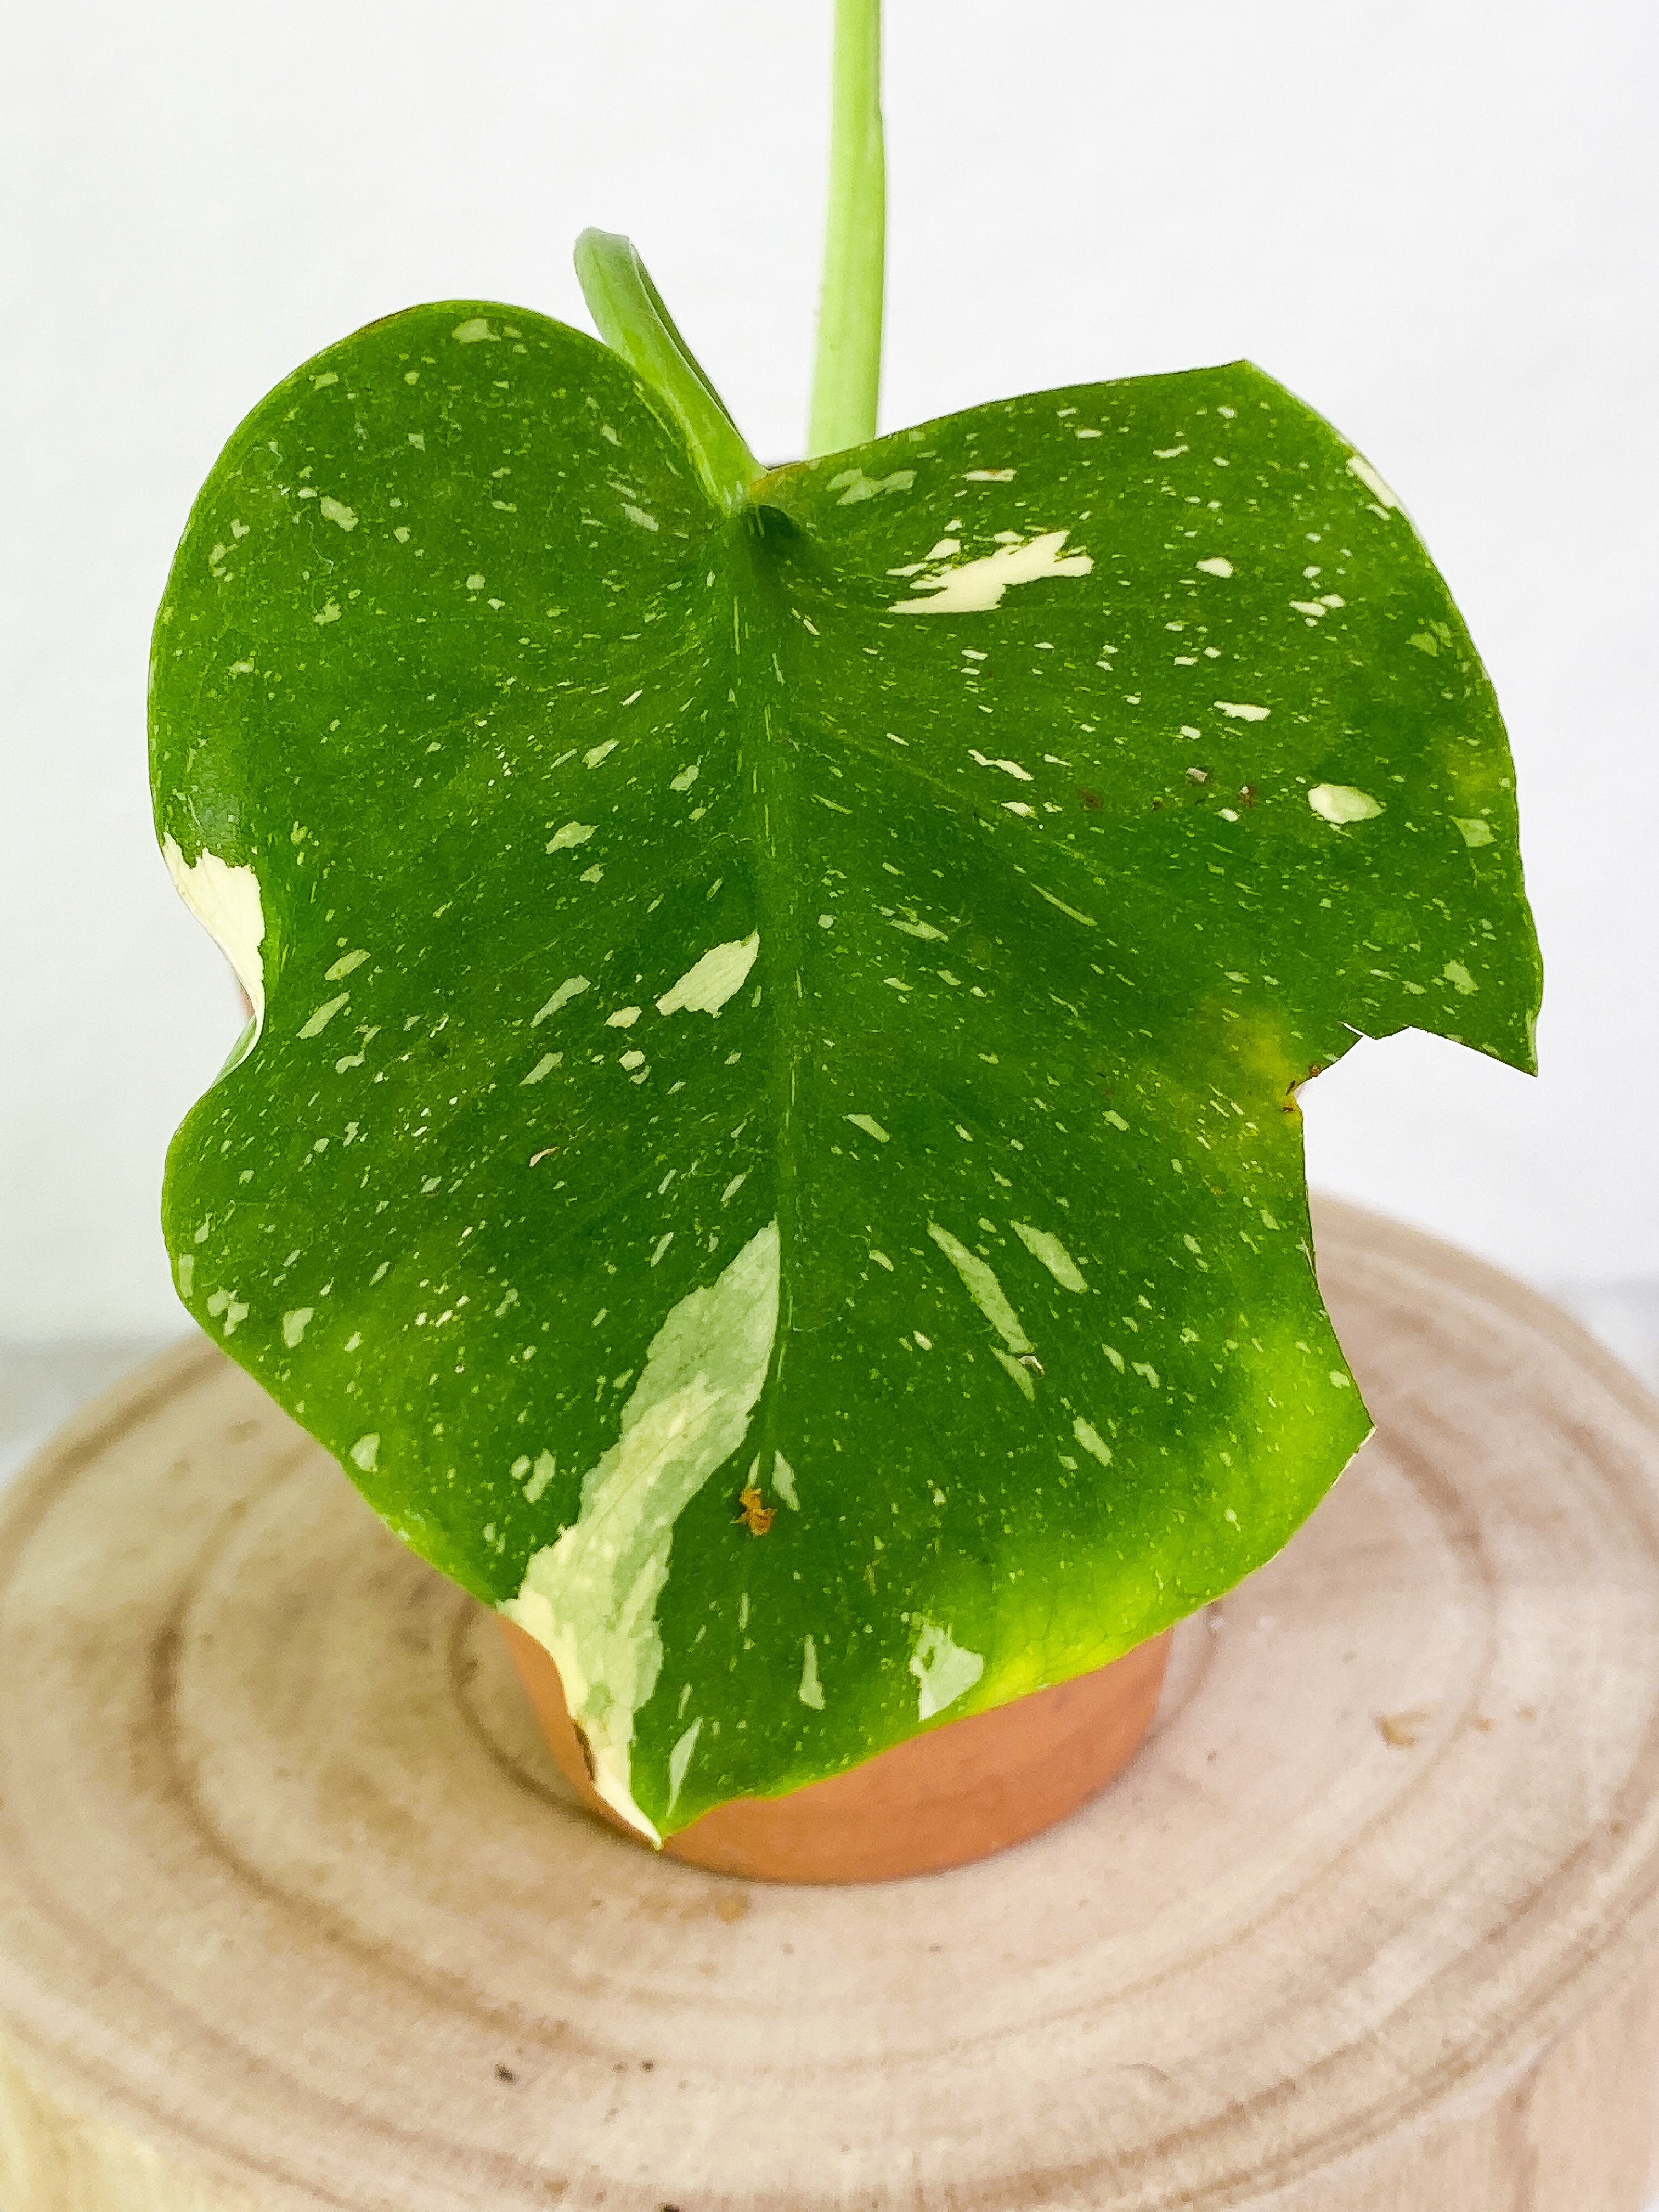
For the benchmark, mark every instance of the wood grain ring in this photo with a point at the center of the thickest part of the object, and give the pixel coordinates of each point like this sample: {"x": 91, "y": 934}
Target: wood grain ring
{"x": 295, "y": 1911}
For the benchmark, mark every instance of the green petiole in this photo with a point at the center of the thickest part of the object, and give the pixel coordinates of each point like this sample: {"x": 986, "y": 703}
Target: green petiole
{"x": 848, "y": 377}
{"x": 628, "y": 309}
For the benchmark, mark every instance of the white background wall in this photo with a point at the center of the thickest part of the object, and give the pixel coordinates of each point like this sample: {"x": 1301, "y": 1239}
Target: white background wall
{"x": 1433, "y": 219}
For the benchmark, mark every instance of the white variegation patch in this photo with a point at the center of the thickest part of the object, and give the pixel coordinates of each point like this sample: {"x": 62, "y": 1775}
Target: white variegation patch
{"x": 979, "y": 1280}
{"x": 1383, "y": 493}
{"x": 942, "y": 1668}
{"x": 969, "y": 587}
{"x": 225, "y": 899}
{"x": 1341, "y": 802}
{"x": 1043, "y": 1246}
{"x": 590, "y": 1599}
{"x": 705, "y": 988}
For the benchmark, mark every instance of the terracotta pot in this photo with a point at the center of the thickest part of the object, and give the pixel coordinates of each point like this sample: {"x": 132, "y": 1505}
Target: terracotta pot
{"x": 959, "y": 1792}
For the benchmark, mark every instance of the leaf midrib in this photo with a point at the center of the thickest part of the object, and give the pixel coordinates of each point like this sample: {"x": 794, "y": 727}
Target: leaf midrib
{"x": 779, "y": 895}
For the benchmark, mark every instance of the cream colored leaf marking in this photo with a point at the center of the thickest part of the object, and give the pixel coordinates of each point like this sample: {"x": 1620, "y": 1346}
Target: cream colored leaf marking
{"x": 783, "y": 1481}
{"x": 1008, "y": 767}
{"x": 854, "y": 485}
{"x": 1091, "y": 1440}
{"x": 1340, "y": 803}
{"x": 810, "y": 1691}
{"x": 1475, "y": 831}
{"x": 566, "y": 991}
{"x": 983, "y": 1288}
{"x": 679, "y": 1759}
{"x": 234, "y": 1309}
{"x": 225, "y": 900}
{"x": 942, "y": 1668}
{"x": 1087, "y": 920}
{"x": 705, "y": 988}
{"x": 1241, "y": 711}
{"x": 1373, "y": 482}
{"x": 336, "y": 511}
{"x": 870, "y": 1125}
{"x": 573, "y": 833}
{"x": 294, "y": 1325}
{"x": 1052, "y": 1253}
{"x": 971, "y": 588}
{"x": 1459, "y": 978}
{"x": 1219, "y": 566}
{"x": 319, "y": 1020}
{"x": 590, "y": 1599}
{"x": 1017, "y": 1372}
{"x": 545, "y": 1468}
{"x": 365, "y": 1451}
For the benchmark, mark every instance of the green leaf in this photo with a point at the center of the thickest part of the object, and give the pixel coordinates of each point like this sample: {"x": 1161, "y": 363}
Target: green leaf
{"x": 809, "y": 1001}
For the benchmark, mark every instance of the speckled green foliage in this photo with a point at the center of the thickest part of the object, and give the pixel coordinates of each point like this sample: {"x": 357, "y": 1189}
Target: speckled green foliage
{"x": 1027, "y": 920}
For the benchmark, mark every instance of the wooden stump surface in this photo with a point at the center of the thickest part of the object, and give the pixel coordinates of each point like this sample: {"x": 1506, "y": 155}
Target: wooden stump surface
{"x": 296, "y": 1911}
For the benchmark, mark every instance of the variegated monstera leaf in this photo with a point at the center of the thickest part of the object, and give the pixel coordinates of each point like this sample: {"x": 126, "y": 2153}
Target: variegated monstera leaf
{"x": 768, "y": 1142}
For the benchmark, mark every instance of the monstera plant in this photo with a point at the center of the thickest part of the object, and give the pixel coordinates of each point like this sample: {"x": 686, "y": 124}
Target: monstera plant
{"x": 767, "y": 1144}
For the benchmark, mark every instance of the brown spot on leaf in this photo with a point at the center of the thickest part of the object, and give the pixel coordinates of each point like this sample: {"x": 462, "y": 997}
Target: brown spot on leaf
{"x": 756, "y": 1516}
{"x": 1403, "y": 1730}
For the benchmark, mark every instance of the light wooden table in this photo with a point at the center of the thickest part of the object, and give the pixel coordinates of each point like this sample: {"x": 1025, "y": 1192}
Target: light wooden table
{"x": 294, "y": 1911}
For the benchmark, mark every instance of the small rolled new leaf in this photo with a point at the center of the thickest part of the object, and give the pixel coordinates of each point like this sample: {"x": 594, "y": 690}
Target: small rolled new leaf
{"x": 770, "y": 1150}
{"x": 632, "y": 319}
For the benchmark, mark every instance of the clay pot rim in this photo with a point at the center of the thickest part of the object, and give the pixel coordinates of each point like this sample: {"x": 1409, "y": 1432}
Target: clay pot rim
{"x": 952, "y": 1794}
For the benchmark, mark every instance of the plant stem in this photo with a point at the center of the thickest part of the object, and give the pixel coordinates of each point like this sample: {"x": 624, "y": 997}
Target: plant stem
{"x": 633, "y": 321}
{"x": 848, "y": 377}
